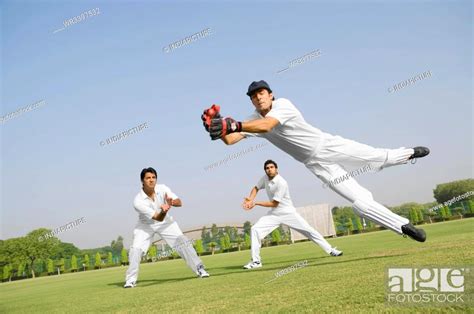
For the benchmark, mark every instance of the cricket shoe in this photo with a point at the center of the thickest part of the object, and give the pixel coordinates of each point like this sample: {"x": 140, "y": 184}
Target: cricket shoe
{"x": 420, "y": 151}
{"x": 253, "y": 265}
{"x": 414, "y": 233}
{"x": 202, "y": 273}
{"x": 335, "y": 252}
{"x": 130, "y": 285}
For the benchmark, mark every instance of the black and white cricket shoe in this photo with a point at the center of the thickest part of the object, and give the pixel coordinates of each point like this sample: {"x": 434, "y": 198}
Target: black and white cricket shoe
{"x": 420, "y": 151}
{"x": 253, "y": 264}
{"x": 414, "y": 233}
{"x": 335, "y": 252}
{"x": 202, "y": 273}
{"x": 130, "y": 285}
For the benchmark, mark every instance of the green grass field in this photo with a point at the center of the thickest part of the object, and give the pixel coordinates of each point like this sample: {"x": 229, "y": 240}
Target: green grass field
{"x": 355, "y": 282}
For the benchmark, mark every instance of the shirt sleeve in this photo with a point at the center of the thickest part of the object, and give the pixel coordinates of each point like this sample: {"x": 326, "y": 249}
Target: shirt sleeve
{"x": 283, "y": 111}
{"x": 253, "y": 116}
{"x": 143, "y": 208}
{"x": 282, "y": 187}
{"x": 169, "y": 192}
{"x": 261, "y": 183}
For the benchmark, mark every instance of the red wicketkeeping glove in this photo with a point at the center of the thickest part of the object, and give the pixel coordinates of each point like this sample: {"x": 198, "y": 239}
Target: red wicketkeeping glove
{"x": 209, "y": 114}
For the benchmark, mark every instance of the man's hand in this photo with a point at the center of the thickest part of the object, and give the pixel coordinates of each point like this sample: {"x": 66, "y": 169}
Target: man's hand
{"x": 165, "y": 208}
{"x": 168, "y": 200}
{"x": 248, "y": 204}
{"x": 209, "y": 114}
{"x": 161, "y": 215}
{"x": 221, "y": 127}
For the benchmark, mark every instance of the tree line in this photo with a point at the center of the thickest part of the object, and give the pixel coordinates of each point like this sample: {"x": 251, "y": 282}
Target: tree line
{"x": 446, "y": 207}
{"x": 30, "y": 256}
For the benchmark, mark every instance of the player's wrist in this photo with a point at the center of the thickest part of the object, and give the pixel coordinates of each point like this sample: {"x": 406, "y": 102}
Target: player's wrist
{"x": 232, "y": 126}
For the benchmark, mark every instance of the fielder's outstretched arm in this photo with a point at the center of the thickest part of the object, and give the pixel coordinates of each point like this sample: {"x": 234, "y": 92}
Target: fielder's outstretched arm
{"x": 254, "y": 126}
{"x": 263, "y": 125}
{"x": 231, "y": 139}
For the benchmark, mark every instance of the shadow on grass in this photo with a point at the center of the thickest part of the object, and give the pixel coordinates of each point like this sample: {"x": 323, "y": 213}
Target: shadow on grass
{"x": 240, "y": 270}
{"x": 151, "y": 282}
{"x": 337, "y": 260}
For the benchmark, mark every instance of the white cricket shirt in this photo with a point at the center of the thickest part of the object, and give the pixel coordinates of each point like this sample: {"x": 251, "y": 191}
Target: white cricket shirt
{"x": 293, "y": 134}
{"x": 146, "y": 207}
{"x": 277, "y": 189}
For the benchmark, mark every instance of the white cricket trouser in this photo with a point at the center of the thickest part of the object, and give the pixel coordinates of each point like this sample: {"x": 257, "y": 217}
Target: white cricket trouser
{"x": 142, "y": 237}
{"x": 336, "y": 153}
{"x": 268, "y": 223}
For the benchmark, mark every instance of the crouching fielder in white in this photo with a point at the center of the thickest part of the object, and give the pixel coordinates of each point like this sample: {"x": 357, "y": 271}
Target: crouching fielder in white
{"x": 325, "y": 155}
{"x": 282, "y": 212}
{"x": 152, "y": 204}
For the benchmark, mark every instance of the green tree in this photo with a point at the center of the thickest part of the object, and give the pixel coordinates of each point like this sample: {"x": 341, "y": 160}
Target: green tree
{"x": 124, "y": 257}
{"x": 247, "y": 240}
{"x": 419, "y": 212}
{"x": 205, "y": 236}
{"x": 73, "y": 263}
{"x": 234, "y": 233}
{"x": 223, "y": 244}
{"x": 430, "y": 214}
{"x": 20, "y": 269}
{"x": 239, "y": 240}
{"x": 442, "y": 213}
{"x": 117, "y": 246}
{"x": 65, "y": 250}
{"x": 470, "y": 204}
{"x": 50, "y": 267}
{"x": 448, "y": 211}
{"x": 110, "y": 259}
{"x": 198, "y": 246}
{"x": 214, "y": 232}
{"x": 447, "y": 191}
{"x": 98, "y": 261}
{"x": 428, "y": 211}
{"x": 212, "y": 245}
{"x": 174, "y": 254}
{"x": 228, "y": 230}
{"x": 11, "y": 253}
{"x": 343, "y": 217}
{"x": 276, "y": 236}
{"x": 359, "y": 226}
{"x": 349, "y": 226}
{"x": 7, "y": 272}
{"x": 152, "y": 251}
{"x": 62, "y": 265}
{"x": 228, "y": 243}
{"x": 413, "y": 216}
{"x": 38, "y": 245}
{"x": 247, "y": 227}
{"x": 87, "y": 261}
{"x": 283, "y": 233}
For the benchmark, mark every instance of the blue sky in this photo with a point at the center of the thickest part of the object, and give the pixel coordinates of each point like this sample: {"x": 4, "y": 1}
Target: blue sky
{"x": 109, "y": 73}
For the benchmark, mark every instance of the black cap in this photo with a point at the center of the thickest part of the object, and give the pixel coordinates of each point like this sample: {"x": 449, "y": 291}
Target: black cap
{"x": 256, "y": 86}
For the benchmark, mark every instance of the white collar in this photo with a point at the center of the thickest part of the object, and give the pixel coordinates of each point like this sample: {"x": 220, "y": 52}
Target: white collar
{"x": 144, "y": 195}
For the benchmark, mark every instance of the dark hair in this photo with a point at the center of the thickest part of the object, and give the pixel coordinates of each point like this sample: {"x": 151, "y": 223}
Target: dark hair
{"x": 269, "y": 161}
{"x": 145, "y": 171}
{"x": 269, "y": 91}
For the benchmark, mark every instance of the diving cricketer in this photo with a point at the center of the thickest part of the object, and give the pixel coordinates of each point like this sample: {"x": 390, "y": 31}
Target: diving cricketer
{"x": 325, "y": 155}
